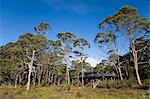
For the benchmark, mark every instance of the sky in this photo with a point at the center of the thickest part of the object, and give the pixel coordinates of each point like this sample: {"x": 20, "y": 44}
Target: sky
{"x": 78, "y": 16}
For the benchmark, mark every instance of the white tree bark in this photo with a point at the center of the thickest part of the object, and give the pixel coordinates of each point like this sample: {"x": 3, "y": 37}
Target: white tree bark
{"x": 120, "y": 73}
{"x": 16, "y": 80}
{"x": 135, "y": 59}
{"x": 96, "y": 84}
{"x": 30, "y": 70}
{"x": 82, "y": 71}
{"x": 67, "y": 73}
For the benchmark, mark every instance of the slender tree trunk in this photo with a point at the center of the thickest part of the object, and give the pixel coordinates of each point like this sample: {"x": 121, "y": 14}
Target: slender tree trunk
{"x": 135, "y": 58}
{"x": 94, "y": 86}
{"x": 67, "y": 70}
{"x": 34, "y": 79}
{"x": 127, "y": 73}
{"x": 58, "y": 82}
{"x": 29, "y": 75}
{"x": 52, "y": 78}
{"x": 39, "y": 79}
{"x": 9, "y": 83}
{"x": 16, "y": 80}
{"x": 67, "y": 73}
{"x": 55, "y": 79}
{"x": 78, "y": 79}
{"x": 82, "y": 72}
{"x": 120, "y": 73}
{"x": 39, "y": 76}
{"x": 30, "y": 70}
{"x": 119, "y": 68}
{"x": 20, "y": 79}
{"x": 49, "y": 77}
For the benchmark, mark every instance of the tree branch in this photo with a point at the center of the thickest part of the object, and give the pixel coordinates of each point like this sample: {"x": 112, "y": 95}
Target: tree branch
{"x": 26, "y": 63}
{"x": 28, "y": 57}
{"x": 143, "y": 48}
{"x": 96, "y": 84}
{"x": 143, "y": 63}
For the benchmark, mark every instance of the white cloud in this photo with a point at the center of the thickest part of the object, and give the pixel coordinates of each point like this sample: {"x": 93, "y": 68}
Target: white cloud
{"x": 93, "y": 61}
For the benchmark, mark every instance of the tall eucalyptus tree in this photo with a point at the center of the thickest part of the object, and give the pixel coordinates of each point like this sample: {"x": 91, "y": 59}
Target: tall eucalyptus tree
{"x": 107, "y": 41}
{"x": 33, "y": 44}
{"x": 80, "y": 43}
{"x": 128, "y": 22}
{"x": 67, "y": 39}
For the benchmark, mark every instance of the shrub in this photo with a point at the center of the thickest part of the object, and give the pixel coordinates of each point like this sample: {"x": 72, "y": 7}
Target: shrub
{"x": 115, "y": 84}
{"x": 54, "y": 97}
{"x": 79, "y": 95}
{"x": 10, "y": 97}
{"x": 146, "y": 82}
{"x": 64, "y": 87}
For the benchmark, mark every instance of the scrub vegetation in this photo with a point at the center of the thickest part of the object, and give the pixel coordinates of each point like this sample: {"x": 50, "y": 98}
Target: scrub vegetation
{"x": 34, "y": 67}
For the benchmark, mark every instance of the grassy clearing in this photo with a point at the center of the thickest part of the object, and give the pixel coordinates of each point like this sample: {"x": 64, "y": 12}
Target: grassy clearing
{"x": 59, "y": 92}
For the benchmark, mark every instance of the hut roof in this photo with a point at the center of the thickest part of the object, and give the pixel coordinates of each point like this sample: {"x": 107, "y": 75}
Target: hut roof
{"x": 93, "y": 75}
{"x": 99, "y": 74}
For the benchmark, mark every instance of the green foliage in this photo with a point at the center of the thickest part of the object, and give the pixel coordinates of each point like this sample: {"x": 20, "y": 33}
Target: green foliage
{"x": 66, "y": 36}
{"x": 81, "y": 42}
{"x": 146, "y": 82}
{"x": 128, "y": 22}
{"x": 104, "y": 38}
{"x": 40, "y": 29}
{"x": 117, "y": 84}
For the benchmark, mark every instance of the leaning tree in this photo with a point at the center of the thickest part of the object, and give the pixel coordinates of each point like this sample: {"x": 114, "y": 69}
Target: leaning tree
{"x": 128, "y": 22}
{"x": 107, "y": 41}
{"x": 33, "y": 44}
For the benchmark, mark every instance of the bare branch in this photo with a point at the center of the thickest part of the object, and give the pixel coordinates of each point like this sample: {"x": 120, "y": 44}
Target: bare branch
{"x": 28, "y": 57}
{"x": 142, "y": 63}
{"x": 96, "y": 84}
{"x": 27, "y": 63}
{"x": 143, "y": 48}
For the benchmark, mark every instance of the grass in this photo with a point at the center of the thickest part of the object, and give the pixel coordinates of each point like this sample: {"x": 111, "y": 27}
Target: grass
{"x": 60, "y": 92}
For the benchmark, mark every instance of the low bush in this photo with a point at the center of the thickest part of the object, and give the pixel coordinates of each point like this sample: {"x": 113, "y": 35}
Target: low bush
{"x": 116, "y": 84}
{"x": 79, "y": 94}
{"x": 146, "y": 82}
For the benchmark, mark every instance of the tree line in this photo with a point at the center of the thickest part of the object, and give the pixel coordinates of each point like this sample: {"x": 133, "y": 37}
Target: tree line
{"x": 35, "y": 60}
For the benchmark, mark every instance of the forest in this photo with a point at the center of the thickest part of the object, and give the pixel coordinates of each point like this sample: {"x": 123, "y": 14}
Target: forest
{"x": 34, "y": 61}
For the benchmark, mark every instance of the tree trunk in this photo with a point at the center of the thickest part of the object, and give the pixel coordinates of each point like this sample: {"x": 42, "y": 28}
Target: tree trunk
{"x": 135, "y": 59}
{"x": 46, "y": 78}
{"x": 20, "y": 79}
{"x": 16, "y": 80}
{"x": 78, "y": 79}
{"x": 82, "y": 73}
{"x": 29, "y": 75}
{"x": 49, "y": 77}
{"x": 52, "y": 78}
{"x": 34, "y": 79}
{"x": 59, "y": 80}
{"x": 67, "y": 70}
{"x": 94, "y": 86}
{"x": 55, "y": 79}
{"x": 119, "y": 68}
{"x": 120, "y": 73}
{"x": 39, "y": 79}
{"x": 30, "y": 70}
{"x": 39, "y": 76}
{"x": 68, "y": 77}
